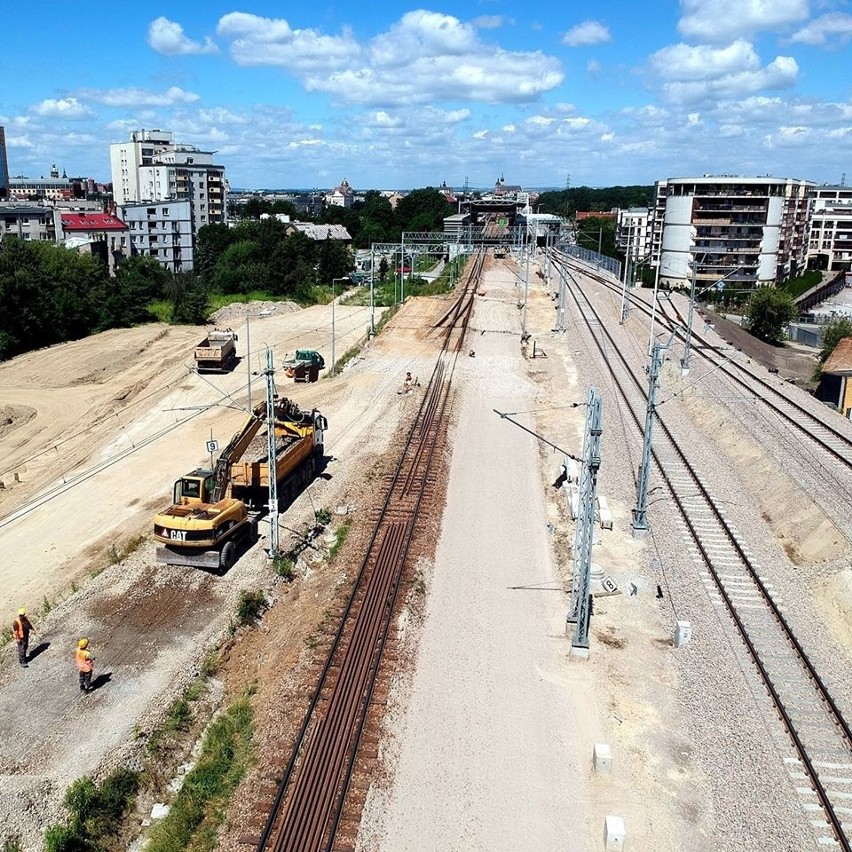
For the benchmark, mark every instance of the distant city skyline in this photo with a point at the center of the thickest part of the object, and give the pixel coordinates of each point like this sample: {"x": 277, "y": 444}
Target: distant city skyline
{"x": 394, "y": 96}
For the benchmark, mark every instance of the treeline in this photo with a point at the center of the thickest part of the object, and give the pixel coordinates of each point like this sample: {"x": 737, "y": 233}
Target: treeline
{"x": 566, "y": 202}
{"x": 49, "y": 294}
{"x": 259, "y": 254}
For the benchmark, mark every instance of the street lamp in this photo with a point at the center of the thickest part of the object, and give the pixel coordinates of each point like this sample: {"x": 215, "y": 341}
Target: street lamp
{"x": 248, "y": 348}
{"x": 333, "y": 359}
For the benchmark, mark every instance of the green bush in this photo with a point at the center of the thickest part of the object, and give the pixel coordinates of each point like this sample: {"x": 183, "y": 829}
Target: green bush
{"x": 96, "y": 812}
{"x": 322, "y": 517}
{"x": 250, "y": 606}
{"x": 284, "y": 567}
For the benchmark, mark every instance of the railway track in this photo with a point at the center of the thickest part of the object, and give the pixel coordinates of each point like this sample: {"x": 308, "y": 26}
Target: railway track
{"x": 834, "y": 441}
{"x": 820, "y": 739}
{"x": 317, "y": 804}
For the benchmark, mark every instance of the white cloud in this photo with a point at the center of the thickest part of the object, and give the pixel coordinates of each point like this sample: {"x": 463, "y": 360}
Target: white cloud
{"x": 140, "y": 97}
{"x": 167, "y": 37}
{"x": 835, "y": 27}
{"x": 19, "y": 142}
{"x": 382, "y": 119}
{"x": 69, "y": 108}
{"x": 488, "y": 22}
{"x": 588, "y": 32}
{"x": 425, "y": 57}
{"x": 480, "y": 134}
{"x": 267, "y": 41}
{"x": 695, "y": 73}
{"x": 723, "y": 20}
{"x": 781, "y": 73}
{"x": 701, "y": 62}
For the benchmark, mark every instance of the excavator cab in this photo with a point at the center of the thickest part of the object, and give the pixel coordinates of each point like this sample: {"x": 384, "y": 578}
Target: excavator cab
{"x": 194, "y": 488}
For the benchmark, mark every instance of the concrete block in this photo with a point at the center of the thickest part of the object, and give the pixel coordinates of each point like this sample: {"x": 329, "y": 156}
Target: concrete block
{"x": 602, "y": 759}
{"x": 683, "y": 633}
{"x": 604, "y": 514}
{"x": 572, "y": 497}
{"x": 614, "y": 834}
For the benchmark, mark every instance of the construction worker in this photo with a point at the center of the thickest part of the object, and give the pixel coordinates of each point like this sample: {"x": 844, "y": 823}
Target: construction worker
{"x": 85, "y": 664}
{"x": 21, "y": 629}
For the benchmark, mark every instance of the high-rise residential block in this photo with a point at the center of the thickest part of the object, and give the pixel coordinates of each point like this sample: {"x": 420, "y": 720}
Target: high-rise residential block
{"x": 746, "y": 232}
{"x": 152, "y": 167}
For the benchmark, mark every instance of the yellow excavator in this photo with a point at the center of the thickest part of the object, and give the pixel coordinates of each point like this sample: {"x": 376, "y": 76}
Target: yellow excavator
{"x": 216, "y": 511}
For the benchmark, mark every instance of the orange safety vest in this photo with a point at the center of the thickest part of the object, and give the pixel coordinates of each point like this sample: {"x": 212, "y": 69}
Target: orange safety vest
{"x": 84, "y": 660}
{"x": 18, "y": 629}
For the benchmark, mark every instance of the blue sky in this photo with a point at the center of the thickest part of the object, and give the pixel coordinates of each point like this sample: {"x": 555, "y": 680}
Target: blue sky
{"x": 395, "y": 95}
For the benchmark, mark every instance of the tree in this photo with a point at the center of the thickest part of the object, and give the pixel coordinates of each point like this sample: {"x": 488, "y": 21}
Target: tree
{"x": 138, "y": 281}
{"x": 189, "y": 296}
{"x": 598, "y": 231}
{"x": 767, "y": 314}
{"x": 210, "y": 244}
{"x": 333, "y": 260}
{"x": 291, "y": 267}
{"x": 383, "y": 269}
{"x": 835, "y": 331}
{"x": 422, "y": 210}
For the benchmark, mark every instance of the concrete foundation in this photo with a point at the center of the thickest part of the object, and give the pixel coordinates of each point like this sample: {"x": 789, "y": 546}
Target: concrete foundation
{"x": 602, "y": 759}
{"x": 682, "y": 633}
{"x": 614, "y": 834}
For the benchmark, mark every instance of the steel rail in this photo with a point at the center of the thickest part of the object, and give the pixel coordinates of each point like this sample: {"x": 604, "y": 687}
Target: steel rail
{"x": 733, "y": 369}
{"x": 310, "y": 799}
{"x": 821, "y": 692}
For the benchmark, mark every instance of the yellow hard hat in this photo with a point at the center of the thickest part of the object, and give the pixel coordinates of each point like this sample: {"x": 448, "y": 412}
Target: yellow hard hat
{"x": 22, "y": 611}
{"x": 82, "y": 643}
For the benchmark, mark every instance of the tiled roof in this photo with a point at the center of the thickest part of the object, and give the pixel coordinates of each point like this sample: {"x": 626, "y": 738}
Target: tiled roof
{"x": 91, "y": 222}
{"x": 840, "y": 361}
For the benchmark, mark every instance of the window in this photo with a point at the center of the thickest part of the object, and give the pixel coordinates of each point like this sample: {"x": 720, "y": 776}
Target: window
{"x": 165, "y": 211}
{"x": 151, "y": 211}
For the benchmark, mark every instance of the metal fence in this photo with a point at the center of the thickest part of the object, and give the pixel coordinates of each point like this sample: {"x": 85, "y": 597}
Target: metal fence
{"x": 608, "y": 264}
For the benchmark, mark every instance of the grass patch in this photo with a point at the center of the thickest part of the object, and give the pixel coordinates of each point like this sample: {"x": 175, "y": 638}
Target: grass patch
{"x": 210, "y": 663}
{"x": 250, "y": 606}
{"x": 96, "y": 813}
{"x": 179, "y": 718}
{"x": 116, "y": 554}
{"x": 284, "y": 567}
{"x": 339, "y": 539}
{"x": 161, "y": 309}
{"x": 199, "y": 807}
{"x": 801, "y": 284}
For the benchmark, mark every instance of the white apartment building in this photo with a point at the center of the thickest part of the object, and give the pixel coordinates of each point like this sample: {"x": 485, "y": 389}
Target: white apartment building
{"x": 830, "y": 241}
{"x": 162, "y": 230}
{"x": 748, "y": 231}
{"x": 151, "y": 167}
{"x": 633, "y": 233}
